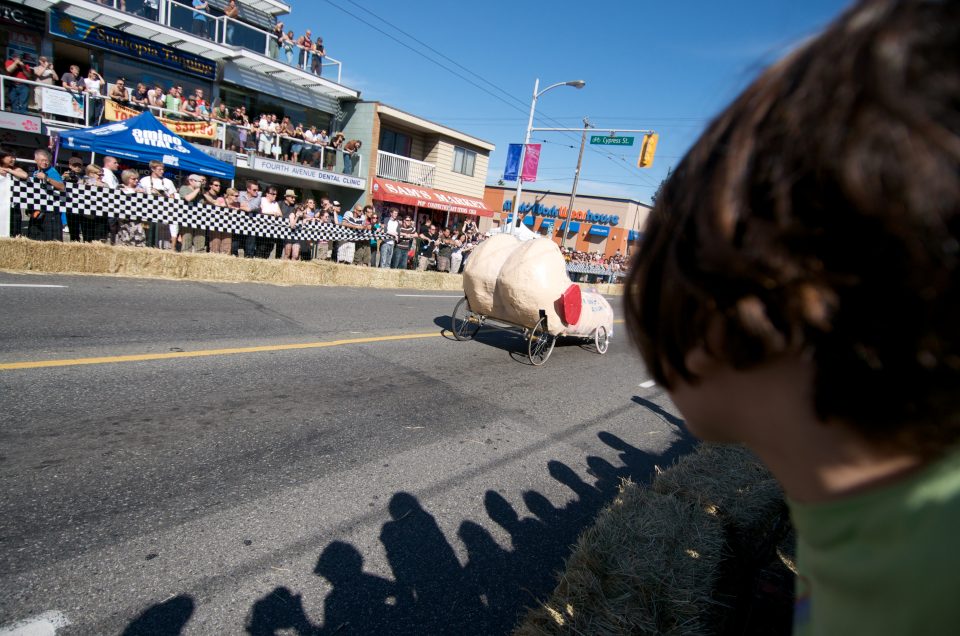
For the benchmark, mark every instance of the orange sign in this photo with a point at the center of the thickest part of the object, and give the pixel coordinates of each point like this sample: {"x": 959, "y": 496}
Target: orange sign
{"x": 198, "y": 129}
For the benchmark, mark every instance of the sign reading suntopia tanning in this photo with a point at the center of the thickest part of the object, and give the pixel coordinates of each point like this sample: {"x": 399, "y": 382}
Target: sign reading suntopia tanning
{"x": 67, "y": 26}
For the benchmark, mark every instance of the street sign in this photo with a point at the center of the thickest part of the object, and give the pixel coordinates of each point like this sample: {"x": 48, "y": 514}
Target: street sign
{"x": 605, "y": 140}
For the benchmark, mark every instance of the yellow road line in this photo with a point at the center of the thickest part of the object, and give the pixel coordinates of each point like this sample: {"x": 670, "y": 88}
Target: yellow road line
{"x": 39, "y": 364}
{"x": 145, "y": 357}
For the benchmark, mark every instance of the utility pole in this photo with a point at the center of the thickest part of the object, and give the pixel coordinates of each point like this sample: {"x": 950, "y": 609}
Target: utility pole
{"x": 576, "y": 180}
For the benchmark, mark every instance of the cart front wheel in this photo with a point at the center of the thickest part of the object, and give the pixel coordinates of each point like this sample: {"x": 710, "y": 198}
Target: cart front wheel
{"x": 464, "y": 324}
{"x": 540, "y": 344}
{"x": 601, "y": 339}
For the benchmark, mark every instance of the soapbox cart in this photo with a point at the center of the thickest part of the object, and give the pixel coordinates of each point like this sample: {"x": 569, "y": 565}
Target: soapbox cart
{"x": 464, "y": 324}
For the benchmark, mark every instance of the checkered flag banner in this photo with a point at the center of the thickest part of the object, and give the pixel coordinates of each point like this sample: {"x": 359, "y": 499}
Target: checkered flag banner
{"x": 31, "y": 195}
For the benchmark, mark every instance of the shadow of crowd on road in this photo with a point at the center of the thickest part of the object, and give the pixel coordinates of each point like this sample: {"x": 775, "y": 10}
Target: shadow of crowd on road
{"x": 431, "y": 592}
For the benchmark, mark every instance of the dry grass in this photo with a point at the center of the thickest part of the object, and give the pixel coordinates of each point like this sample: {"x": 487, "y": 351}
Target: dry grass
{"x": 652, "y": 561}
{"x": 22, "y": 255}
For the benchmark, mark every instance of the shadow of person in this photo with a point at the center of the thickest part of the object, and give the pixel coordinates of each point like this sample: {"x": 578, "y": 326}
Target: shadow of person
{"x": 662, "y": 413}
{"x": 431, "y": 589}
{"x": 359, "y": 603}
{"x": 163, "y": 619}
{"x": 279, "y": 611}
{"x": 490, "y": 573}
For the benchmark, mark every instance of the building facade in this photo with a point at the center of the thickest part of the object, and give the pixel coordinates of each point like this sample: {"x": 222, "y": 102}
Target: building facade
{"x": 599, "y": 225}
{"x": 234, "y": 61}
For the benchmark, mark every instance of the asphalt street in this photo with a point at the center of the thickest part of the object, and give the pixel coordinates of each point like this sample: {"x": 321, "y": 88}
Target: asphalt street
{"x": 360, "y": 472}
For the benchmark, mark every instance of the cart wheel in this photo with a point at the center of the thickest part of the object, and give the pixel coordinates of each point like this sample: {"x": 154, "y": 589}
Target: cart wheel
{"x": 540, "y": 344}
{"x": 601, "y": 339}
{"x": 464, "y": 324}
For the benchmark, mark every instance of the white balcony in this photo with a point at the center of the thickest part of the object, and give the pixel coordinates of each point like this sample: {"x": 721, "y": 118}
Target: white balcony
{"x": 221, "y": 39}
{"x": 405, "y": 169}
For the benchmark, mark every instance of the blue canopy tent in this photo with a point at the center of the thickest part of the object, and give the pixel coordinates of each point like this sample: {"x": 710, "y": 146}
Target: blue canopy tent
{"x": 143, "y": 138}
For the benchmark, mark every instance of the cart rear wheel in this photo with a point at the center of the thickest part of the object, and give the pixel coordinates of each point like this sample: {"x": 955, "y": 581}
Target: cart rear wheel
{"x": 464, "y": 324}
{"x": 540, "y": 344}
{"x": 601, "y": 339}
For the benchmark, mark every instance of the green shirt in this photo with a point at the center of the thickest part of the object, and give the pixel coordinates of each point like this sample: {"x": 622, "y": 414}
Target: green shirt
{"x": 885, "y": 561}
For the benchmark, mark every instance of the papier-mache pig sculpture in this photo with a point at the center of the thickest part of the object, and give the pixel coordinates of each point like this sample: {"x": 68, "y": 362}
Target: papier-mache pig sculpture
{"x": 512, "y": 280}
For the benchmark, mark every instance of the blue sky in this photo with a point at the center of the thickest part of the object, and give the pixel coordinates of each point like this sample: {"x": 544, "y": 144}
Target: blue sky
{"x": 667, "y": 66}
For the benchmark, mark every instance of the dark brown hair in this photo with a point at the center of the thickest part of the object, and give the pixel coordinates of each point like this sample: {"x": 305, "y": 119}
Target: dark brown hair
{"x": 820, "y": 215}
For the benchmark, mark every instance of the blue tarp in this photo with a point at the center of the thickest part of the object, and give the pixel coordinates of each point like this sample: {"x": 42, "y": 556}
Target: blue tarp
{"x": 143, "y": 138}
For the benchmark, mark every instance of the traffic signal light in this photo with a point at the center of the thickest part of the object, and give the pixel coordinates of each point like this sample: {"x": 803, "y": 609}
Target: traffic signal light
{"x": 647, "y": 150}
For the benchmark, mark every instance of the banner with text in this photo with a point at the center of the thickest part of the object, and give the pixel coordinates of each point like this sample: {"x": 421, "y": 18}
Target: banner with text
{"x": 200, "y": 129}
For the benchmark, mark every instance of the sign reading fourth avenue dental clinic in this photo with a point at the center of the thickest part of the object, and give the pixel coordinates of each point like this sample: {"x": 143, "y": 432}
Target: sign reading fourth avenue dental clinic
{"x": 306, "y": 172}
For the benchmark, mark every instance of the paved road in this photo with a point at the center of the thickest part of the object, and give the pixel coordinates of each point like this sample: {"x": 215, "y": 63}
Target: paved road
{"x": 411, "y": 486}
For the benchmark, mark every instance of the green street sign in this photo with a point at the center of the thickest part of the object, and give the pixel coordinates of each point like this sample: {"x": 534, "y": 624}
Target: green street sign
{"x": 605, "y": 140}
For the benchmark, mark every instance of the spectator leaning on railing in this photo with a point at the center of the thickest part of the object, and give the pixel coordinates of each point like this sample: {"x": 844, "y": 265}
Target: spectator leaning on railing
{"x": 10, "y": 170}
{"x": 155, "y": 184}
{"x": 45, "y": 225}
{"x": 130, "y": 233}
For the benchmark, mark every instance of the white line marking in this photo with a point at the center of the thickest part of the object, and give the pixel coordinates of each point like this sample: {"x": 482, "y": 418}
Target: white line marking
{"x": 23, "y": 285}
{"x": 45, "y": 624}
{"x": 649, "y": 384}
{"x": 424, "y": 296}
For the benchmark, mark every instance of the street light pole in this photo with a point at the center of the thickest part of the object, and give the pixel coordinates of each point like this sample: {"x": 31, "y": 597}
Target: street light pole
{"x": 526, "y": 140}
{"x": 576, "y": 180}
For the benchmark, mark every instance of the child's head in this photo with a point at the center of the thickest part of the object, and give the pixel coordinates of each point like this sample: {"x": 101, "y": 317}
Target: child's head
{"x": 819, "y": 217}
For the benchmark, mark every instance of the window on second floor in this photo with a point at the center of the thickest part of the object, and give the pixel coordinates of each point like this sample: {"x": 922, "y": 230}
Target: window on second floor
{"x": 395, "y": 142}
{"x": 464, "y": 161}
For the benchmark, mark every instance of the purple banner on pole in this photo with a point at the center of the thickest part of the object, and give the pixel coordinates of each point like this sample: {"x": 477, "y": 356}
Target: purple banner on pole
{"x": 531, "y": 159}
{"x": 512, "y": 169}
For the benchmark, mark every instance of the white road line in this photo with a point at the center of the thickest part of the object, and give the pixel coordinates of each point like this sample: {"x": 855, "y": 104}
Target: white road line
{"x": 45, "y": 624}
{"x": 649, "y": 384}
{"x": 23, "y": 285}
{"x": 424, "y": 296}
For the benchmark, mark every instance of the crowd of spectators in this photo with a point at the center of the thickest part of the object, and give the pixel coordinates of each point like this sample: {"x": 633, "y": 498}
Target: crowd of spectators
{"x": 398, "y": 244}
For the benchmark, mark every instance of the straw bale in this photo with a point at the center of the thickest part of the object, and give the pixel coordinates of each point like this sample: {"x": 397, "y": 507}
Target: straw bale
{"x": 22, "y": 255}
{"x": 729, "y": 481}
{"x": 647, "y": 566}
{"x": 654, "y": 558}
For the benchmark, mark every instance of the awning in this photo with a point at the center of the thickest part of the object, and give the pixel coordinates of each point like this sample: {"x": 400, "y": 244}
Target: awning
{"x": 407, "y": 194}
{"x": 634, "y": 235}
{"x": 144, "y": 139}
{"x": 574, "y": 226}
{"x": 600, "y": 230}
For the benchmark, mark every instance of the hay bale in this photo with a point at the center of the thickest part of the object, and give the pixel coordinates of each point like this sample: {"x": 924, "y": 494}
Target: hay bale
{"x": 653, "y": 561}
{"x": 647, "y": 566}
{"x": 23, "y": 255}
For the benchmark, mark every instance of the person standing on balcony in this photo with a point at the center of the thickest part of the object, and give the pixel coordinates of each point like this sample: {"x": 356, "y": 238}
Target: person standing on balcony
{"x": 140, "y": 98}
{"x": 118, "y": 93}
{"x": 172, "y": 102}
{"x": 232, "y": 11}
{"x": 330, "y": 152}
{"x": 44, "y": 74}
{"x": 151, "y": 9}
{"x": 93, "y": 85}
{"x": 200, "y": 27}
{"x": 17, "y": 92}
{"x": 285, "y": 133}
{"x": 351, "y": 151}
{"x": 287, "y": 44}
{"x": 305, "y": 42}
{"x": 275, "y": 40}
{"x": 156, "y": 98}
{"x": 316, "y": 65}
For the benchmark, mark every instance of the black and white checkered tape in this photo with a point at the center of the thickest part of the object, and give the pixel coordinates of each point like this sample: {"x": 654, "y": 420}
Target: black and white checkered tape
{"x": 80, "y": 199}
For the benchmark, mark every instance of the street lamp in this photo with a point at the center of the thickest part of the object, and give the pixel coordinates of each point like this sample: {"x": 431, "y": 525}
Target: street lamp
{"x": 526, "y": 140}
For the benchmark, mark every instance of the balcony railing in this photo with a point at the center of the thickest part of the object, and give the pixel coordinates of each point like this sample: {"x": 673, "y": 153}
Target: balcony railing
{"x": 224, "y": 30}
{"x": 400, "y": 168}
{"x": 61, "y": 108}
